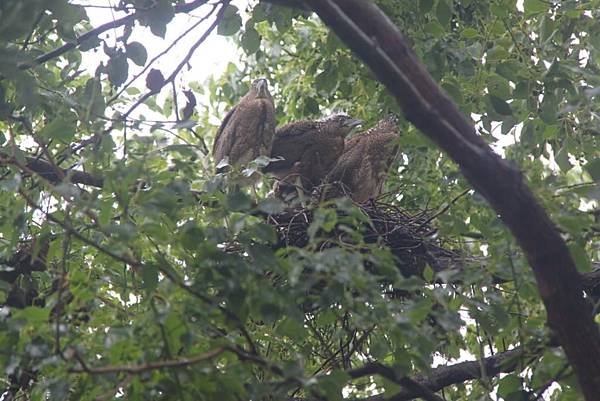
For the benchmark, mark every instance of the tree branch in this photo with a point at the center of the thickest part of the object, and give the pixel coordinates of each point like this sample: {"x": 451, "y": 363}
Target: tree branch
{"x": 137, "y": 369}
{"x": 289, "y": 3}
{"x": 445, "y": 376}
{"x": 183, "y": 62}
{"x": 377, "y": 41}
{"x": 47, "y": 171}
{"x": 411, "y": 386}
{"x": 96, "y": 137}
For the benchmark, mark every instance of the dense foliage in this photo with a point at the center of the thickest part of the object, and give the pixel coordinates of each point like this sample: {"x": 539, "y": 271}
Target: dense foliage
{"x": 155, "y": 278}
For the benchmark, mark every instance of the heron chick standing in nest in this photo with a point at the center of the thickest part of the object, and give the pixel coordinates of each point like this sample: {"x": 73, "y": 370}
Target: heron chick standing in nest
{"x": 247, "y": 130}
{"x": 362, "y": 169}
{"x": 307, "y": 150}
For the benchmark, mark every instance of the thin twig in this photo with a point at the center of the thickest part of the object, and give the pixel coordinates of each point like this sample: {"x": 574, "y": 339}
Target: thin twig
{"x": 159, "y": 55}
{"x": 445, "y": 208}
{"x": 137, "y": 369}
{"x": 179, "y": 8}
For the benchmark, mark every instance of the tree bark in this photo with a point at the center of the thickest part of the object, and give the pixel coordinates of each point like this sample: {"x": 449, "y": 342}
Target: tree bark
{"x": 376, "y": 40}
{"x": 445, "y": 376}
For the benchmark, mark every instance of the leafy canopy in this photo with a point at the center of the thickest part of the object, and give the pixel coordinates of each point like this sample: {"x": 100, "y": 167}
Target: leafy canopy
{"x": 166, "y": 281}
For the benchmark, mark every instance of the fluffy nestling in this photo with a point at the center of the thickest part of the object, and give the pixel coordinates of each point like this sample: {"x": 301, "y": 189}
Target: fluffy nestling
{"x": 247, "y": 130}
{"x": 362, "y": 169}
{"x": 309, "y": 150}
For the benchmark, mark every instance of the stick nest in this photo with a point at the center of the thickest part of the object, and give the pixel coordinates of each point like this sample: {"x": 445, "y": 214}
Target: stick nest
{"x": 410, "y": 236}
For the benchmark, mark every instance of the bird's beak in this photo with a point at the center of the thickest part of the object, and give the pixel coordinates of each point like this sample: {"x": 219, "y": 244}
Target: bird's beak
{"x": 354, "y": 122}
{"x": 262, "y": 87}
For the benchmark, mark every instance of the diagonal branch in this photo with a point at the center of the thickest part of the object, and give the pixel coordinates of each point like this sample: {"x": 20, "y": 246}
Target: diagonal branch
{"x": 444, "y": 376}
{"x": 46, "y": 170}
{"x": 96, "y": 137}
{"x": 377, "y": 41}
{"x": 183, "y": 62}
{"x": 411, "y": 386}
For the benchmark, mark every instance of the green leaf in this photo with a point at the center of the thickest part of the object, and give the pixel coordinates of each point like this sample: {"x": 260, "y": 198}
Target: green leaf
{"x": 593, "y": 168}
{"x": 497, "y": 53}
{"x": 533, "y": 7}
{"x": 443, "y": 13}
{"x": 434, "y": 28}
{"x": 238, "y": 201}
{"x": 149, "y": 277}
{"x": 230, "y": 22}
{"x": 250, "y": 40}
{"x": 419, "y": 310}
{"x": 137, "y": 53}
{"x": 34, "y": 315}
{"x": 580, "y": 256}
{"x": 157, "y": 16}
{"x": 117, "y": 69}
{"x": 291, "y": 328}
{"x": 562, "y": 159}
{"x": 469, "y": 33}
{"x": 509, "y": 384}
{"x": 500, "y": 106}
{"x": 333, "y": 383}
{"x": 425, "y": 6}
{"x": 92, "y": 100}
{"x": 192, "y": 236}
{"x": 428, "y": 273}
{"x": 60, "y": 129}
{"x": 453, "y": 90}
{"x": 499, "y": 10}
{"x": 271, "y": 206}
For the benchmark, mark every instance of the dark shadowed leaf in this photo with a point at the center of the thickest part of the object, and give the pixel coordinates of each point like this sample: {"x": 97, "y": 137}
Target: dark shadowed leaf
{"x": 230, "y": 22}
{"x": 250, "y": 40}
{"x": 500, "y": 106}
{"x": 155, "y": 80}
{"x": 137, "y": 53}
{"x": 117, "y": 68}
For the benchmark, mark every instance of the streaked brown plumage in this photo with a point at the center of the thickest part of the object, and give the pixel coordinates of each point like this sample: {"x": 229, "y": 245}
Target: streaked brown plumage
{"x": 362, "y": 169}
{"x": 309, "y": 150}
{"x": 247, "y": 130}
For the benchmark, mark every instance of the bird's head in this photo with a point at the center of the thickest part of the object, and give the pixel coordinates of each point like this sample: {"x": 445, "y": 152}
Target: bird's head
{"x": 261, "y": 87}
{"x": 344, "y": 122}
{"x": 389, "y": 122}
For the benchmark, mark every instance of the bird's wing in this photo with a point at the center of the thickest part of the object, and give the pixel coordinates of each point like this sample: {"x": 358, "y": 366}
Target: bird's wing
{"x": 291, "y": 141}
{"x": 218, "y": 140}
{"x": 253, "y": 131}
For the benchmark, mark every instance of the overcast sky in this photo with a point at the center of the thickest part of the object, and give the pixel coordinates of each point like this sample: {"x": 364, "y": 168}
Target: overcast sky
{"x": 209, "y": 59}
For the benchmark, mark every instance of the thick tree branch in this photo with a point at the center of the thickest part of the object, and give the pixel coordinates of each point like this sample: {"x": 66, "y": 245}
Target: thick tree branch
{"x": 44, "y": 169}
{"x": 377, "y": 41}
{"x": 411, "y": 386}
{"x": 179, "y": 8}
{"x": 299, "y": 4}
{"x": 445, "y": 376}
{"x": 48, "y": 171}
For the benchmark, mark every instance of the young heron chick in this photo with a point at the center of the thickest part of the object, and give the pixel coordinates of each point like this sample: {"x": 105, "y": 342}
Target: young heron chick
{"x": 247, "y": 130}
{"x": 309, "y": 150}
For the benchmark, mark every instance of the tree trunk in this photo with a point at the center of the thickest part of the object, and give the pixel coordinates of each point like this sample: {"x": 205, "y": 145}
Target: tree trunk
{"x": 377, "y": 41}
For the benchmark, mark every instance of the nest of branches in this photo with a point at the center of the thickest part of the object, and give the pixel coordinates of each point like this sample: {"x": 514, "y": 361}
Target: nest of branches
{"x": 410, "y": 236}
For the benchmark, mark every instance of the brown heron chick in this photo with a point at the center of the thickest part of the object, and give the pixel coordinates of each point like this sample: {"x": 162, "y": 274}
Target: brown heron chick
{"x": 362, "y": 169}
{"x": 247, "y": 130}
{"x": 309, "y": 150}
